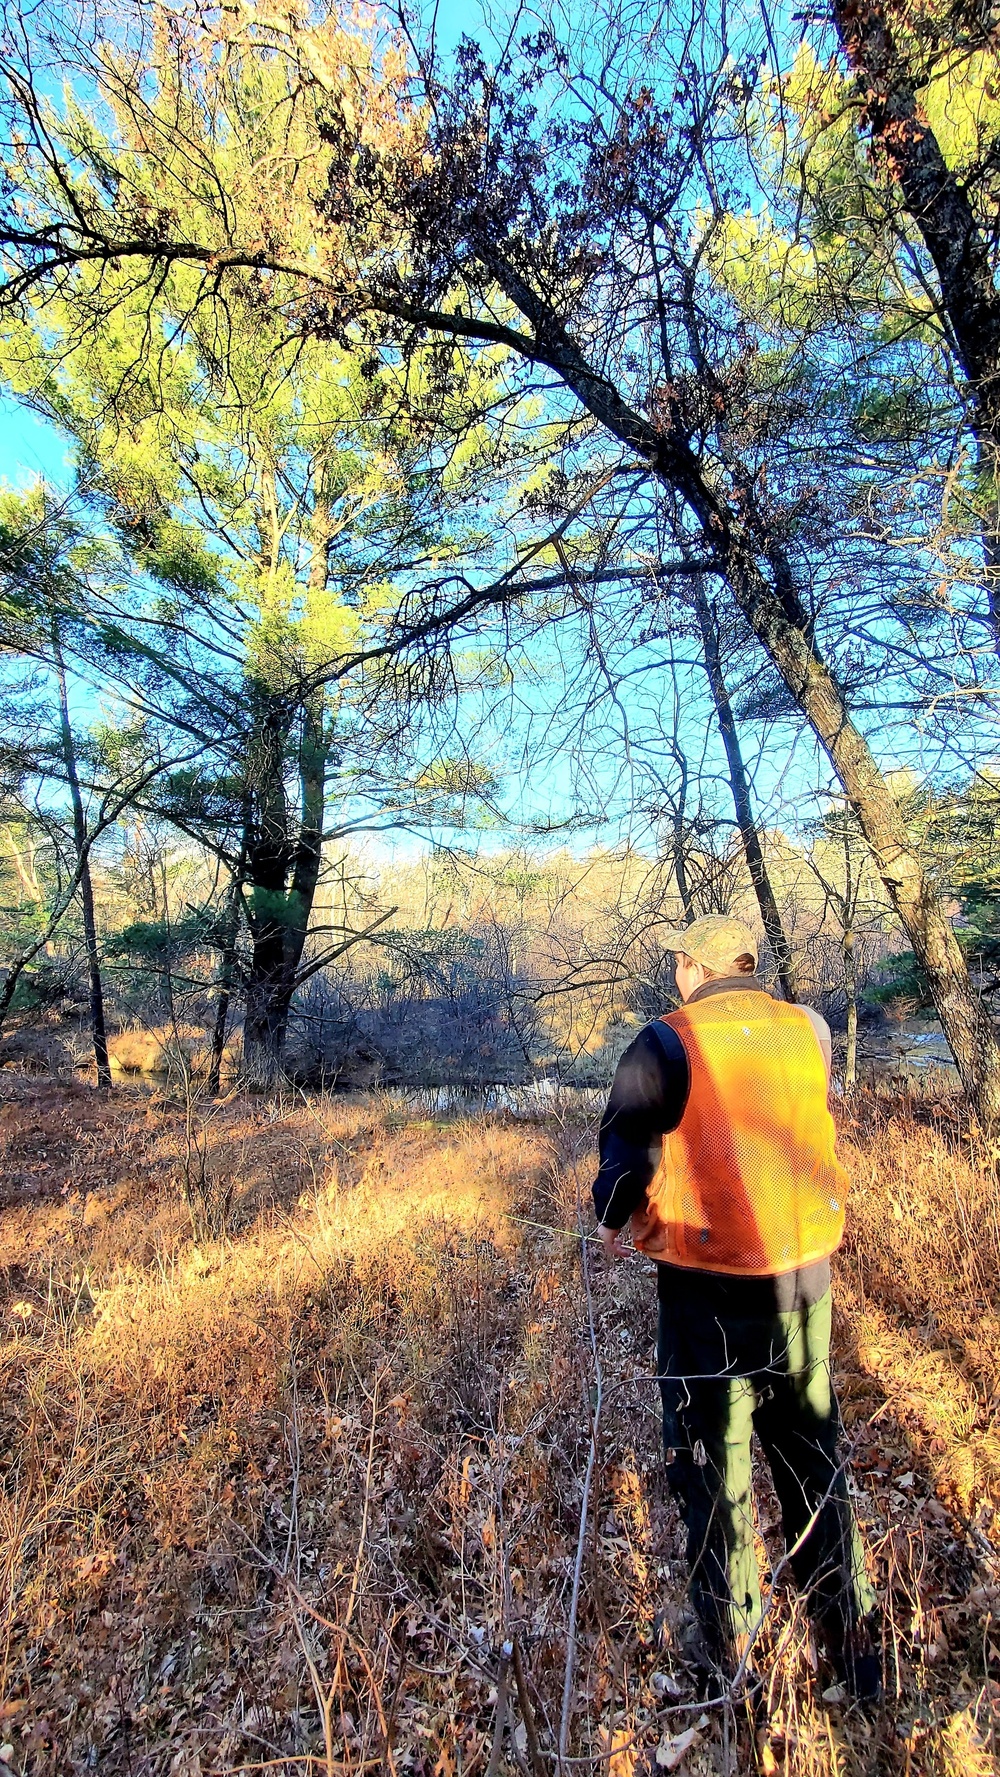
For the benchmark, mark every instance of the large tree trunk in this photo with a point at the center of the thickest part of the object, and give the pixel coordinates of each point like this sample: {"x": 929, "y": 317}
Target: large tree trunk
{"x": 774, "y": 613}
{"x": 277, "y": 954}
{"x": 268, "y": 855}
{"x": 80, "y": 840}
{"x": 265, "y": 1028}
{"x": 281, "y": 909}
{"x": 742, "y": 799}
{"x": 967, "y": 1024}
{"x": 283, "y": 872}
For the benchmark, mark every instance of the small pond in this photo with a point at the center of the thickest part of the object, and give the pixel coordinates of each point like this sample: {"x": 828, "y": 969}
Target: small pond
{"x": 915, "y": 1047}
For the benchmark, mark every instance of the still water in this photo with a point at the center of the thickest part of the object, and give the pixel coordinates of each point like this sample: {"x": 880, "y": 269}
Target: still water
{"x": 915, "y": 1047}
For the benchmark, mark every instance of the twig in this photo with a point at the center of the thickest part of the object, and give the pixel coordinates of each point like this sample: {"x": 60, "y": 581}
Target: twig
{"x": 355, "y": 1578}
{"x": 295, "y": 1457}
{"x": 500, "y": 1719}
{"x": 567, "y": 1696}
{"x": 324, "y": 1697}
{"x": 527, "y": 1713}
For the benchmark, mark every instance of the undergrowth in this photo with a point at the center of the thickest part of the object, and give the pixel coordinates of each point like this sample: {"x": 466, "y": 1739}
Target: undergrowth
{"x": 312, "y": 1496}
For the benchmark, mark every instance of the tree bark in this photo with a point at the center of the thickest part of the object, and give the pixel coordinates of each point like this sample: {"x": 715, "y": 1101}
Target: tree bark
{"x": 268, "y": 852}
{"x": 265, "y": 1028}
{"x": 82, "y": 849}
{"x": 742, "y": 799}
{"x": 280, "y": 939}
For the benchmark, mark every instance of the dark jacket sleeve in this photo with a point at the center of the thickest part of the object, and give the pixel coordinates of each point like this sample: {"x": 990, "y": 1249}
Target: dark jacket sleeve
{"x": 647, "y": 1100}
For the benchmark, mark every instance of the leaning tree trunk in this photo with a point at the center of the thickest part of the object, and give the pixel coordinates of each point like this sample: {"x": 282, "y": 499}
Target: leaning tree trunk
{"x": 966, "y": 1022}
{"x": 742, "y": 800}
{"x": 938, "y": 201}
{"x": 80, "y": 837}
{"x": 774, "y": 614}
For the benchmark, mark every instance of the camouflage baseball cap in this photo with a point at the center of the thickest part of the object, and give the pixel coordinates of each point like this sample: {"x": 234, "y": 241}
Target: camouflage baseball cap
{"x": 716, "y": 941}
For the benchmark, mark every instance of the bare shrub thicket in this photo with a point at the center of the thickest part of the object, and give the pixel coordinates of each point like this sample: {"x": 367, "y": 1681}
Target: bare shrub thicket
{"x": 491, "y": 968}
{"x": 446, "y": 1007}
{"x": 498, "y": 967}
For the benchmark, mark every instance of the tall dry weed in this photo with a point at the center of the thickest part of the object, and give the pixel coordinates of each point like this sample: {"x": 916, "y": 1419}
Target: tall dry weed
{"x": 314, "y": 1496}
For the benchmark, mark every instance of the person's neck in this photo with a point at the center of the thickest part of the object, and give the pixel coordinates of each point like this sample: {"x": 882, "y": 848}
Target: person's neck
{"x": 727, "y": 984}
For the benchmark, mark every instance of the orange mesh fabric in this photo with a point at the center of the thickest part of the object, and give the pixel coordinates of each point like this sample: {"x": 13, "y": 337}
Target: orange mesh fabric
{"x": 749, "y": 1182}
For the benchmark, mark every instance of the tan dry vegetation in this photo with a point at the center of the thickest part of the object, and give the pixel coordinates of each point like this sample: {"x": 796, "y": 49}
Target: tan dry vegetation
{"x": 161, "y": 1049}
{"x": 274, "y": 1502}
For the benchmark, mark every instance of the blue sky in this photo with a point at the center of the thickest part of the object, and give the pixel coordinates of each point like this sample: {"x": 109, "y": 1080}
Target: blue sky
{"x": 29, "y": 447}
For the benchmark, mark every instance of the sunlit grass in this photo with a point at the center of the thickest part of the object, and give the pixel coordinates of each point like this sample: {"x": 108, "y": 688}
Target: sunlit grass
{"x": 282, "y": 1495}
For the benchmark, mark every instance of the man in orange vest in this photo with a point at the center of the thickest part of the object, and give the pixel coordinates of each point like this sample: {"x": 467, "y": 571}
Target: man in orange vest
{"x": 717, "y": 1146}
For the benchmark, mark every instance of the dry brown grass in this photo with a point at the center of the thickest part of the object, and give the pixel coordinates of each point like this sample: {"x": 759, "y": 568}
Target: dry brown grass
{"x": 277, "y": 1501}
{"x": 177, "y": 1050}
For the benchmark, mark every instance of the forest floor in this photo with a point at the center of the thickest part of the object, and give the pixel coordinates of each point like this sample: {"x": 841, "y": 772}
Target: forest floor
{"x": 295, "y": 1421}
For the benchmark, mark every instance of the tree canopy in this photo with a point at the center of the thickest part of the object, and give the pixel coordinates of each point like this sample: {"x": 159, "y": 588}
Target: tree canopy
{"x": 658, "y": 353}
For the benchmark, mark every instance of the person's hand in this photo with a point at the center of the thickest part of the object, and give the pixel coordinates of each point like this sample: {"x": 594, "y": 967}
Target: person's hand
{"x": 610, "y": 1239}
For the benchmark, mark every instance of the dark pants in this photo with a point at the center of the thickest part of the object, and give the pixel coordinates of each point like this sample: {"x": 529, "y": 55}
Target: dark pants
{"x": 733, "y": 1361}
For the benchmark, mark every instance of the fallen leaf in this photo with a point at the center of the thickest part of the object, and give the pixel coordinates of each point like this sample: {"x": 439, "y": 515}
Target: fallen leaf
{"x": 621, "y": 1754}
{"x": 673, "y": 1747}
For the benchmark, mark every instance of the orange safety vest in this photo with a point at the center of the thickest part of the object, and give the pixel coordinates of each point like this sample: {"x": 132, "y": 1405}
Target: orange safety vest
{"x": 749, "y": 1182}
